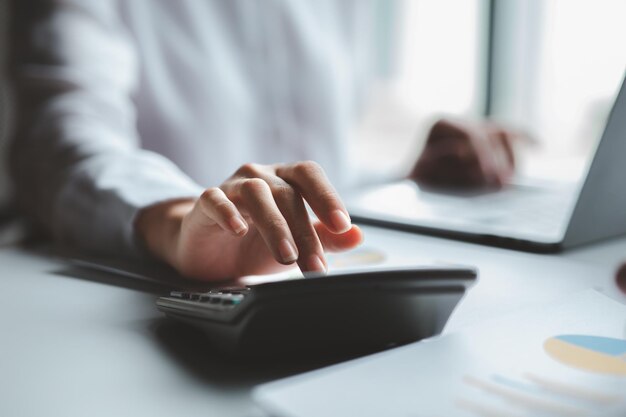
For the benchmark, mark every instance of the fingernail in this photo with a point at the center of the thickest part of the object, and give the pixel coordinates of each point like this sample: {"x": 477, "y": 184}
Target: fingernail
{"x": 340, "y": 221}
{"x": 287, "y": 251}
{"x": 315, "y": 264}
{"x": 237, "y": 224}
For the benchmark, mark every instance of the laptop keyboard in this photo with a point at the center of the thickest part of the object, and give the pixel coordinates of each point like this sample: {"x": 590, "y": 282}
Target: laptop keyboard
{"x": 525, "y": 208}
{"x": 542, "y": 209}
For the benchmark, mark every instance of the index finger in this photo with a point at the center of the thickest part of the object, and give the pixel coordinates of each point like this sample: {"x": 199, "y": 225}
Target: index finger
{"x": 311, "y": 182}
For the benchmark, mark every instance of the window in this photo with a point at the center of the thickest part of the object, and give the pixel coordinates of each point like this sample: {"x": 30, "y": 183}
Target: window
{"x": 432, "y": 63}
{"x": 557, "y": 68}
{"x": 549, "y": 67}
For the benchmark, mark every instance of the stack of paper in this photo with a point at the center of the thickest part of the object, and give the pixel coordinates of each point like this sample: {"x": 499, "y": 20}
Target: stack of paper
{"x": 567, "y": 359}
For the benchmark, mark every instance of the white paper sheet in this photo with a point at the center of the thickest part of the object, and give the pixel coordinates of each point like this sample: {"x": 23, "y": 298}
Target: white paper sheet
{"x": 566, "y": 359}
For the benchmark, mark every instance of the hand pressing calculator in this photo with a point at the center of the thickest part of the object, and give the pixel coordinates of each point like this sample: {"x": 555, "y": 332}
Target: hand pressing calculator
{"x": 339, "y": 312}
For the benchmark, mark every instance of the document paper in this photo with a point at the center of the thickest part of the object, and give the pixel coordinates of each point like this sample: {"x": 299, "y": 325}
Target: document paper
{"x": 566, "y": 359}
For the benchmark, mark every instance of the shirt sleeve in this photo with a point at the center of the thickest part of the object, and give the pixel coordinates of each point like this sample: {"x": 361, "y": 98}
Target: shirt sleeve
{"x": 76, "y": 159}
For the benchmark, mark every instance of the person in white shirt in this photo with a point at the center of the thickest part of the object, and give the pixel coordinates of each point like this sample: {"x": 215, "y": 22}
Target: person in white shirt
{"x": 189, "y": 128}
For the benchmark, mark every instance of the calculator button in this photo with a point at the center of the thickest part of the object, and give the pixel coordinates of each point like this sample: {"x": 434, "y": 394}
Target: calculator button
{"x": 232, "y": 300}
{"x": 230, "y": 290}
{"x": 180, "y": 294}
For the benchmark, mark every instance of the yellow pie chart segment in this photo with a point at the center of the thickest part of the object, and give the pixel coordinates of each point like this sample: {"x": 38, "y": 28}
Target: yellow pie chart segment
{"x": 591, "y": 353}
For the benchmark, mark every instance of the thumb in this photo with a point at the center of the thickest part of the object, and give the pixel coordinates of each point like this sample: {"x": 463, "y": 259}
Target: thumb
{"x": 336, "y": 242}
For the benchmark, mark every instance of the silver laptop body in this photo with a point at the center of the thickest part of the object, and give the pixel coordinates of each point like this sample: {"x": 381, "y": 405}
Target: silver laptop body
{"x": 525, "y": 215}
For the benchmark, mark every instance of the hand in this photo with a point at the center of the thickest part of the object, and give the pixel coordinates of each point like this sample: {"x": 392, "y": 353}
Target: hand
{"x": 620, "y": 278}
{"x": 464, "y": 154}
{"x": 254, "y": 223}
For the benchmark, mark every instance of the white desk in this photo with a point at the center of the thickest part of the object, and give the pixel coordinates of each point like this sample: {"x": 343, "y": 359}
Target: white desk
{"x": 86, "y": 344}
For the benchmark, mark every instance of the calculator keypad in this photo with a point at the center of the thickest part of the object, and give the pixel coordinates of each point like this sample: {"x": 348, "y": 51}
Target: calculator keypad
{"x": 218, "y": 298}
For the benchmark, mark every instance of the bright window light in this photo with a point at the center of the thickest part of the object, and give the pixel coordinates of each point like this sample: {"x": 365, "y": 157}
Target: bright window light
{"x": 435, "y": 52}
{"x": 582, "y": 64}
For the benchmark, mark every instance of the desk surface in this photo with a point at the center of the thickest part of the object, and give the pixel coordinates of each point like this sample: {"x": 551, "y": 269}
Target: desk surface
{"x": 78, "y": 343}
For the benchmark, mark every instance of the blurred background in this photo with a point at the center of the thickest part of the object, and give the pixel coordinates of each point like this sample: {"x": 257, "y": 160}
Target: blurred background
{"x": 548, "y": 67}
{"x": 11, "y": 230}
{"x": 4, "y": 112}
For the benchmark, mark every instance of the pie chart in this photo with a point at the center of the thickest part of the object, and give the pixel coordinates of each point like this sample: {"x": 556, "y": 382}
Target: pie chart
{"x": 598, "y": 354}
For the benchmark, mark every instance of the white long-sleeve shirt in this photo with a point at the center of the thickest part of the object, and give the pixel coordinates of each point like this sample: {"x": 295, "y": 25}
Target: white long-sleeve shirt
{"x": 123, "y": 104}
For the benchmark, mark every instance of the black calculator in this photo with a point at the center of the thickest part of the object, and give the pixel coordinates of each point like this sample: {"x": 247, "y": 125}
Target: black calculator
{"x": 344, "y": 312}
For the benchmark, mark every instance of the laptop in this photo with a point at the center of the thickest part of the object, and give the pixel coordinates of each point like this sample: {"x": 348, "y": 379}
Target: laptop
{"x": 525, "y": 215}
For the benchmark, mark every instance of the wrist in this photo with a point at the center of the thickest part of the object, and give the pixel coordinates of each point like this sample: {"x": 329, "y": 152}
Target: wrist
{"x": 158, "y": 227}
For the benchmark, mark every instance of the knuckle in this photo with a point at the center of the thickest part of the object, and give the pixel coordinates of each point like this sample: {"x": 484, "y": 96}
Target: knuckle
{"x": 467, "y": 157}
{"x": 447, "y": 125}
{"x": 254, "y": 186}
{"x": 284, "y": 192}
{"x": 211, "y": 195}
{"x": 224, "y": 208}
{"x": 442, "y": 123}
{"x": 308, "y": 168}
{"x": 467, "y": 136}
{"x": 248, "y": 170}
